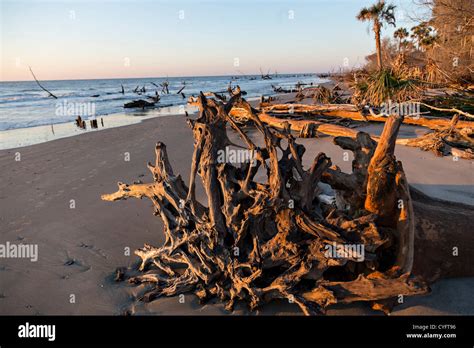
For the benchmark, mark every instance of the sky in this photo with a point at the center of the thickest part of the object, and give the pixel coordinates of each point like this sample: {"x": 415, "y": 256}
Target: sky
{"x": 62, "y": 39}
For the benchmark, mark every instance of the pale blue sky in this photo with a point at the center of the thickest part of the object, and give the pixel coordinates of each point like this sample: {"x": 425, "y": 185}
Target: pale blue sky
{"x": 115, "y": 38}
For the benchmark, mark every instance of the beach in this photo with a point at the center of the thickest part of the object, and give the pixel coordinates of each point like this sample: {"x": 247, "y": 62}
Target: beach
{"x": 51, "y": 197}
{"x": 168, "y": 169}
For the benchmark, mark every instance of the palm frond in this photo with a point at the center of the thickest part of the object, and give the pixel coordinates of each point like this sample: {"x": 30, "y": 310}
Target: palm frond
{"x": 386, "y": 85}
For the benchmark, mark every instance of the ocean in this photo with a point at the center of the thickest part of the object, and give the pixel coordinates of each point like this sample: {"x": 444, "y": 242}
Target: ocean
{"x": 29, "y": 116}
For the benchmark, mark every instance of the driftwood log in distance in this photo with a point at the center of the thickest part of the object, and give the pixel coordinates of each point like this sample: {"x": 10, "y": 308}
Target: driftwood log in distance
{"x": 254, "y": 241}
{"x": 80, "y": 122}
{"x": 41, "y": 86}
{"x": 138, "y": 104}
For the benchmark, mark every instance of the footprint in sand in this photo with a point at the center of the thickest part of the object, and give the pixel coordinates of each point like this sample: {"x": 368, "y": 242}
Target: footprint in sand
{"x": 93, "y": 249}
{"x": 80, "y": 267}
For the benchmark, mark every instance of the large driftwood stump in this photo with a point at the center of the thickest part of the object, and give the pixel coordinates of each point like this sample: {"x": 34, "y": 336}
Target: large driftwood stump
{"x": 441, "y": 227}
{"x": 258, "y": 240}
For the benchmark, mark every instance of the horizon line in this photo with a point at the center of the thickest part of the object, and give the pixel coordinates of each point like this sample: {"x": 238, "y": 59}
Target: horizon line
{"x": 166, "y": 77}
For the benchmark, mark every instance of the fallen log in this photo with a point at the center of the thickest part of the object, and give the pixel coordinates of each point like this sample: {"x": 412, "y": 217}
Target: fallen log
{"x": 280, "y": 89}
{"x": 442, "y": 141}
{"x": 351, "y": 111}
{"x": 307, "y": 128}
{"x": 138, "y": 104}
{"x": 448, "y": 140}
{"x": 255, "y": 241}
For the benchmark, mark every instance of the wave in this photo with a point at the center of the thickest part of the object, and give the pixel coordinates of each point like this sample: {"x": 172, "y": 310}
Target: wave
{"x": 22, "y": 104}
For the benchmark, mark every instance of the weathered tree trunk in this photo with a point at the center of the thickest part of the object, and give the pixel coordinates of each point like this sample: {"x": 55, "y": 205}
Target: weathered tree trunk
{"x": 378, "y": 45}
{"x": 260, "y": 240}
{"x": 350, "y": 111}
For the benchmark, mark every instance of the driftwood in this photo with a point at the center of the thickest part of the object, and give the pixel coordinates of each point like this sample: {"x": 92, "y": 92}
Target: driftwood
{"x": 451, "y": 110}
{"x": 321, "y": 94}
{"x": 138, "y": 104}
{"x": 265, "y": 76}
{"x": 80, "y": 122}
{"x": 39, "y": 84}
{"x": 255, "y": 241}
{"x": 156, "y": 98}
{"x": 442, "y": 141}
{"x": 448, "y": 140}
{"x": 165, "y": 87}
{"x": 352, "y": 112}
{"x": 440, "y": 225}
{"x": 193, "y": 101}
{"x": 306, "y": 128}
{"x": 280, "y": 89}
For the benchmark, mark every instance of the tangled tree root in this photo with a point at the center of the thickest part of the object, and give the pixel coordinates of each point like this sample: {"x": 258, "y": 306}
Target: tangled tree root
{"x": 257, "y": 241}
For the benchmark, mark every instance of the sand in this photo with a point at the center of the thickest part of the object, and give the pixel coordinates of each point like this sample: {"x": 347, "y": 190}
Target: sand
{"x": 80, "y": 247}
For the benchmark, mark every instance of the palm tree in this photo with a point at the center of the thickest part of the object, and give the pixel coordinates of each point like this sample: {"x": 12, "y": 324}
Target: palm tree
{"x": 379, "y": 14}
{"x": 423, "y": 35}
{"x": 400, "y": 34}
